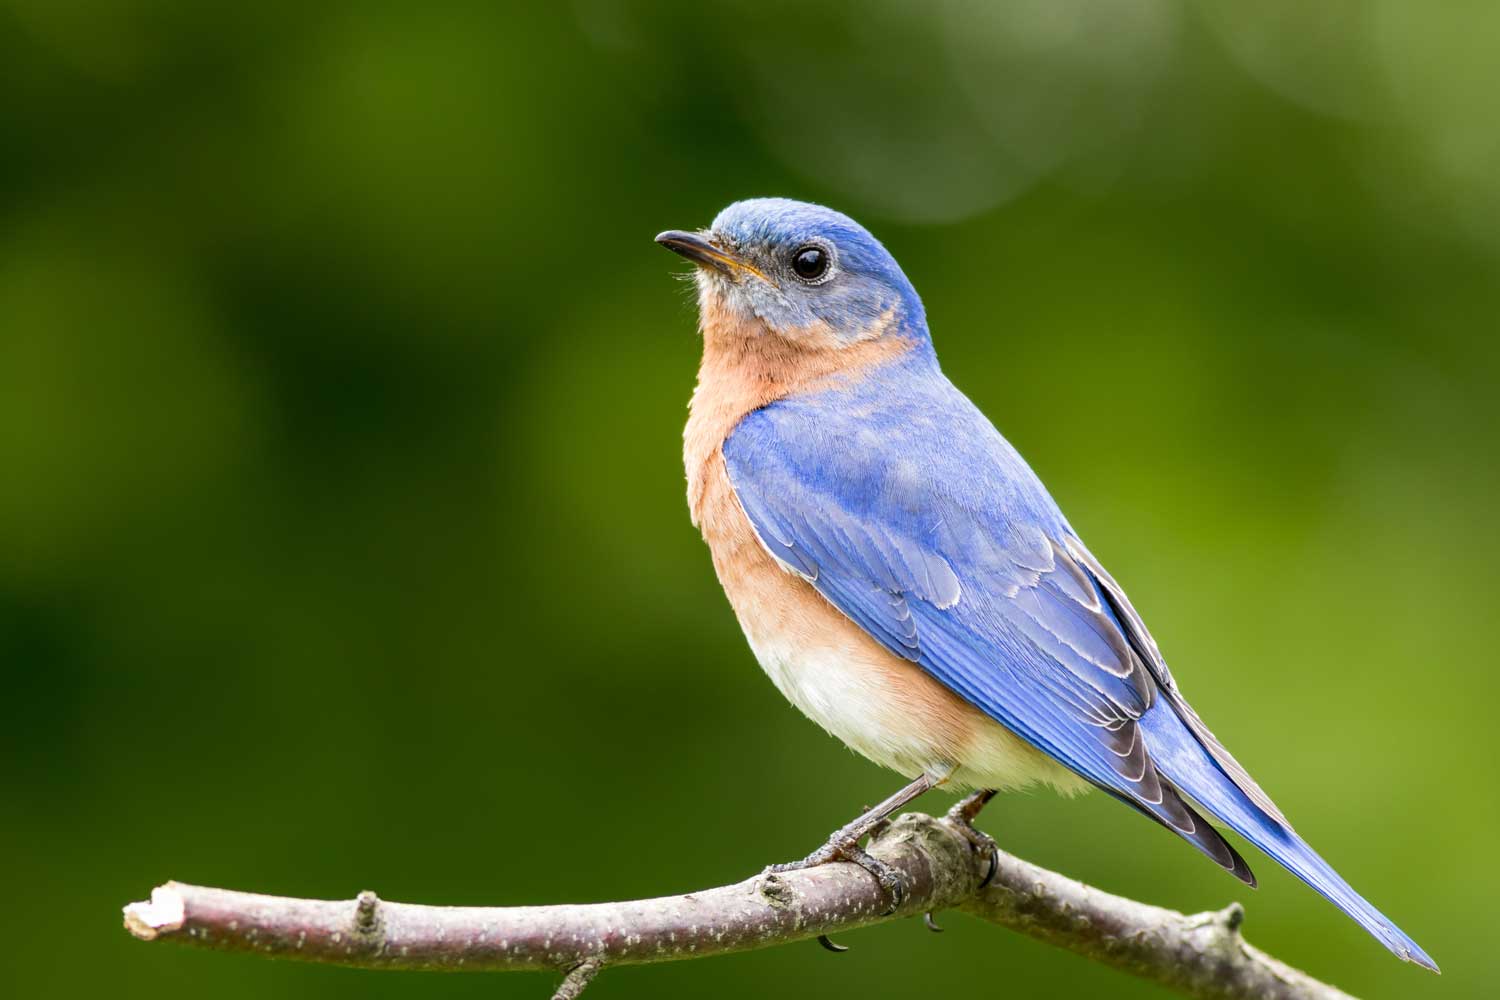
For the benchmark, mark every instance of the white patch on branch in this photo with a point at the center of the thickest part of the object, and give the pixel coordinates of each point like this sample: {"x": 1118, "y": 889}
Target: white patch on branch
{"x": 165, "y": 913}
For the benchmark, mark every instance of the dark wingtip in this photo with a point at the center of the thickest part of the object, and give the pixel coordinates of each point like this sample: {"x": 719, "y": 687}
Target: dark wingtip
{"x": 1239, "y": 867}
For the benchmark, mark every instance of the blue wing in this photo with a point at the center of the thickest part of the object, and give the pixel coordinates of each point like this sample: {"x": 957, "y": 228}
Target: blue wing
{"x": 907, "y": 510}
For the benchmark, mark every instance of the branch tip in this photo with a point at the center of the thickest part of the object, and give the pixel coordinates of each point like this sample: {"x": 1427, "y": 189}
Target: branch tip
{"x": 162, "y": 914}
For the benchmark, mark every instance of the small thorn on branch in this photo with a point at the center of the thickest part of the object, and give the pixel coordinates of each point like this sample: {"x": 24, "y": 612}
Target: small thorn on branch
{"x": 367, "y": 912}
{"x": 577, "y": 980}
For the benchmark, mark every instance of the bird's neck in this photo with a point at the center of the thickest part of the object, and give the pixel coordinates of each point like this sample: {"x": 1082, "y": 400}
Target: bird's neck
{"x": 746, "y": 366}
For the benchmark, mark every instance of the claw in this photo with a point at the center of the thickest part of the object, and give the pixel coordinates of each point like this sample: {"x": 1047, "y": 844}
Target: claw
{"x": 994, "y": 868}
{"x": 891, "y": 880}
{"x": 962, "y": 816}
{"x": 823, "y": 940}
{"x": 844, "y": 844}
{"x": 931, "y": 924}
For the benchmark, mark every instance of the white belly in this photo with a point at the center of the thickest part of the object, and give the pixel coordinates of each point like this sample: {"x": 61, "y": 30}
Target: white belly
{"x": 868, "y": 703}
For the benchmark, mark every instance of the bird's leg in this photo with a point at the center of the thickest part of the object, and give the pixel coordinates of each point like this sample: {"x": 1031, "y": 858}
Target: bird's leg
{"x": 962, "y": 817}
{"x": 844, "y": 844}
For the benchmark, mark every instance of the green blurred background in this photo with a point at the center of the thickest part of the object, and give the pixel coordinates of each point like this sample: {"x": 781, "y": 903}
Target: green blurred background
{"x": 342, "y": 532}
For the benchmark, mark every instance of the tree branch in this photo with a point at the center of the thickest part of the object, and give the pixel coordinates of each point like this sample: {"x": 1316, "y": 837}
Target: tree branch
{"x": 1200, "y": 956}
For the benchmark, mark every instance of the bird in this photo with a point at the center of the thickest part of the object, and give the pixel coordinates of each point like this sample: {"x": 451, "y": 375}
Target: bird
{"x": 904, "y": 578}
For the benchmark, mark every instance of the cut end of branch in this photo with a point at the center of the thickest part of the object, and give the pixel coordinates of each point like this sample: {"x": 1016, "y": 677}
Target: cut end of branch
{"x": 163, "y": 914}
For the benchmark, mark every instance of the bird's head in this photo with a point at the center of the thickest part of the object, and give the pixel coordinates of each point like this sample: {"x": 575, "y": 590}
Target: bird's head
{"x": 800, "y": 272}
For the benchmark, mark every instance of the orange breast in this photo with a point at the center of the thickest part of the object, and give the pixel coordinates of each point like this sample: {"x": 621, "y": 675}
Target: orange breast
{"x": 881, "y": 705}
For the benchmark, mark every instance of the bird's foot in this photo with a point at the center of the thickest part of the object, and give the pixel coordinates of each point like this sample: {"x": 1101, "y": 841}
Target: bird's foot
{"x": 891, "y": 880}
{"x": 961, "y": 816}
{"x": 844, "y": 844}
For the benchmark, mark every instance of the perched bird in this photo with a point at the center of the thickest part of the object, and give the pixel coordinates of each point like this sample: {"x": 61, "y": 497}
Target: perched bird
{"x": 904, "y": 577}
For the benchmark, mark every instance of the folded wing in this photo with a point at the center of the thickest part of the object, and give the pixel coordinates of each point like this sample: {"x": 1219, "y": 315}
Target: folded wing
{"x": 1000, "y": 611}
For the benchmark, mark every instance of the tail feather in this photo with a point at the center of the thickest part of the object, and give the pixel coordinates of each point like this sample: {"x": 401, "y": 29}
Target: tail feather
{"x": 1180, "y": 757}
{"x": 1197, "y": 831}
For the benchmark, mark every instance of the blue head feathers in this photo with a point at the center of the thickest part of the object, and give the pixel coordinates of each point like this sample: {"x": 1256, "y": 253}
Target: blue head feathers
{"x": 803, "y": 270}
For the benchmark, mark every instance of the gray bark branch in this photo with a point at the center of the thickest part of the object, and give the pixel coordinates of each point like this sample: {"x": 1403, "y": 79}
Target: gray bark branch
{"x": 1202, "y": 955}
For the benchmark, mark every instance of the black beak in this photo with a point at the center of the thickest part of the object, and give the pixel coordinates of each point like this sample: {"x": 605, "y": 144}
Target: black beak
{"x": 703, "y": 253}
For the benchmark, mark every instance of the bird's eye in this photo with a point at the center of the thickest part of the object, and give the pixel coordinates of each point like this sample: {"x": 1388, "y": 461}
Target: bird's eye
{"x": 810, "y": 262}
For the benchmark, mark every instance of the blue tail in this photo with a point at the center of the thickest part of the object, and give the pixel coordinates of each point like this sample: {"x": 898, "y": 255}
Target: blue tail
{"x": 1182, "y": 758}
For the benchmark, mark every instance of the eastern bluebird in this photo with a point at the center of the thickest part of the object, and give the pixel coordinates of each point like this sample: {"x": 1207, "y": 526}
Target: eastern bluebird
{"x": 904, "y": 577}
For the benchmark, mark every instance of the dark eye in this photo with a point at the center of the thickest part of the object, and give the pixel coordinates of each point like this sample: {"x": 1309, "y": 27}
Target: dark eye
{"x": 810, "y": 262}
